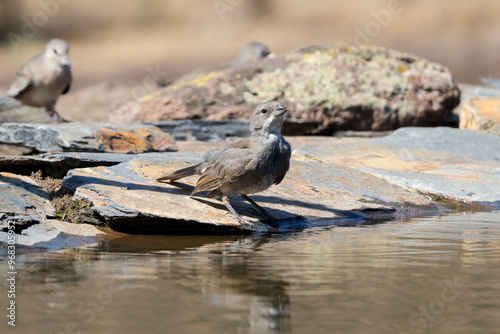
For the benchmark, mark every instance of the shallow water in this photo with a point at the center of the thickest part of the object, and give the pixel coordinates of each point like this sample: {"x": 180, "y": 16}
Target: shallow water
{"x": 427, "y": 275}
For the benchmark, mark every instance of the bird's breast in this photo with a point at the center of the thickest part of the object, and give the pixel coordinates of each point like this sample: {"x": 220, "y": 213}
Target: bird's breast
{"x": 268, "y": 162}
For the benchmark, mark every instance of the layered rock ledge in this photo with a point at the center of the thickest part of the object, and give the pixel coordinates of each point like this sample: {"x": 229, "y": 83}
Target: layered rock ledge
{"x": 412, "y": 172}
{"x": 87, "y": 137}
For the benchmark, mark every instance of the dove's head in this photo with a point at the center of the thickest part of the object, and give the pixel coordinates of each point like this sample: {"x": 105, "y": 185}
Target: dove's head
{"x": 57, "y": 49}
{"x": 268, "y": 118}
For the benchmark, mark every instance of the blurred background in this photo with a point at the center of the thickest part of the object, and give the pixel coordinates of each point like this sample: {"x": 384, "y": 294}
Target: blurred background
{"x": 117, "y": 41}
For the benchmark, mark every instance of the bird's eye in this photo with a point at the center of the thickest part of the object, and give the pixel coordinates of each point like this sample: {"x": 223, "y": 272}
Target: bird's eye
{"x": 263, "y": 110}
{"x": 55, "y": 51}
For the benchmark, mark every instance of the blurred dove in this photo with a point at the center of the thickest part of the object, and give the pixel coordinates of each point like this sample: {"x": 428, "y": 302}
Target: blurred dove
{"x": 248, "y": 166}
{"x": 248, "y": 56}
{"x": 251, "y": 52}
{"x": 41, "y": 80}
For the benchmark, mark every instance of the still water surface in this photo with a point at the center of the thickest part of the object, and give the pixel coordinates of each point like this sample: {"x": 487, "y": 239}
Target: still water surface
{"x": 426, "y": 275}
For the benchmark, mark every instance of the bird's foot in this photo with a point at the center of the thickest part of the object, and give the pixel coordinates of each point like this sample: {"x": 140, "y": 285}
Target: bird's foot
{"x": 250, "y": 226}
{"x": 245, "y": 224}
{"x": 266, "y": 217}
{"x": 271, "y": 221}
{"x": 55, "y": 115}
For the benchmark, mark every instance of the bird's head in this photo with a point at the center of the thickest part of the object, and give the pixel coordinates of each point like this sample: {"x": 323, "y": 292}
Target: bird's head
{"x": 268, "y": 117}
{"x": 58, "y": 50}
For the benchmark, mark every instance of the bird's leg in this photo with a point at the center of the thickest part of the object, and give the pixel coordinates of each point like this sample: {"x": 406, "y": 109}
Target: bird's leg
{"x": 251, "y": 201}
{"x": 225, "y": 200}
{"x": 55, "y": 115}
{"x": 261, "y": 210}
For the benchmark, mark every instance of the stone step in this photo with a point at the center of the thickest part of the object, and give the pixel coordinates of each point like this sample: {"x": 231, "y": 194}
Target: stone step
{"x": 482, "y": 114}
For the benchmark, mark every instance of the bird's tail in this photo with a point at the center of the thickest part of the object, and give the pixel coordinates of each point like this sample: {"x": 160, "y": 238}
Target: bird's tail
{"x": 179, "y": 174}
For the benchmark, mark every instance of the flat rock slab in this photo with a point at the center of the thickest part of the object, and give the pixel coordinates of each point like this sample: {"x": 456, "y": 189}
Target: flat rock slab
{"x": 482, "y": 114}
{"x": 87, "y": 137}
{"x": 449, "y": 164}
{"x": 13, "y": 111}
{"x": 128, "y": 198}
{"x": 53, "y": 235}
{"x": 468, "y": 90}
{"x": 326, "y": 88}
{"x": 23, "y": 200}
{"x": 58, "y": 164}
{"x": 205, "y": 130}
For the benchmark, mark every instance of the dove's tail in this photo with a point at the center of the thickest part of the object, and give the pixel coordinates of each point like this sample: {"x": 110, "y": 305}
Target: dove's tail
{"x": 179, "y": 174}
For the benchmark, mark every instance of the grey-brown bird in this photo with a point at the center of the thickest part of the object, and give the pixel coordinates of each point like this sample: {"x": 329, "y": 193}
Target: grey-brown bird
{"x": 41, "y": 80}
{"x": 251, "y": 52}
{"x": 248, "y": 166}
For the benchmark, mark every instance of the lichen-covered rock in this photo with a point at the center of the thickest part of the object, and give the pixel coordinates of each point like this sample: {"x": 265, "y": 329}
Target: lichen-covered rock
{"x": 326, "y": 88}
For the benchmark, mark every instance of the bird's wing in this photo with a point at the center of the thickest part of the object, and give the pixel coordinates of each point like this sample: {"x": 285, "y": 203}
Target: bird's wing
{"x": 23, "y": 79}
{"x": 245, "y": 143}
{"x": 179, "y": 174}
{"x": 67, "y": 88}
{"x": 280, "y": 176}
{"x": 230, "y": 163}
{"x": 69, "y": 84}
{"x": 283, "y": 164}
{"x": 19, "y": 84}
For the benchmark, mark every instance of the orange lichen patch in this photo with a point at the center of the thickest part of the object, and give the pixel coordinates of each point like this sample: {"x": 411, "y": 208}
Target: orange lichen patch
{"x": 142, "y": 132}
{"x": 136, "y": 141}
{"x": 121, "y": 142}
{"x": 402, "y": 68}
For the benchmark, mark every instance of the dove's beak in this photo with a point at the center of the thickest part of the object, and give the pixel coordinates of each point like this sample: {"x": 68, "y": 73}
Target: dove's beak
{"x": 65, "y": 61}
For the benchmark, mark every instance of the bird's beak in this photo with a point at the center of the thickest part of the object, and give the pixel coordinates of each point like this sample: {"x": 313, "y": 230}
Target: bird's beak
{"x": 65, "y": 61}
{"x": 280, "y": 110}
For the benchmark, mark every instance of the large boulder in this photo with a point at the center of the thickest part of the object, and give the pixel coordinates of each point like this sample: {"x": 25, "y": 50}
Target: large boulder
{"x": 326, "y": 88}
